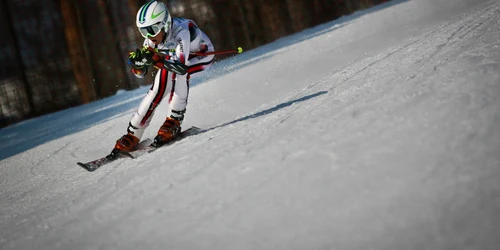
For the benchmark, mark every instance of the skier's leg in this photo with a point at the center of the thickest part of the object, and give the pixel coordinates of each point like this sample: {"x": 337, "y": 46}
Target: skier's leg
{"x": 180, "y": 91}
{"x": 177, "y": 99}
{"x": 142, "y": 116}
{"x": 178, "y": 96}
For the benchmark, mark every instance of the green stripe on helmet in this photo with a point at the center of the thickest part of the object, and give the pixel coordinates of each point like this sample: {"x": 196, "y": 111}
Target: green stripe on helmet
{"x": 142, "y": 18}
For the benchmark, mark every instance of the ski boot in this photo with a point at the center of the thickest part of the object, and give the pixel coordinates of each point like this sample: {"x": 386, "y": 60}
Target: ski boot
{"x": 127, "y": 143}
{"x": 170, "y": 128}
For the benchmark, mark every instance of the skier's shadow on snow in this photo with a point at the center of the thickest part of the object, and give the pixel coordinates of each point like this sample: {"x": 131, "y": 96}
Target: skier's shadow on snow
{"x": 269, "y": 111}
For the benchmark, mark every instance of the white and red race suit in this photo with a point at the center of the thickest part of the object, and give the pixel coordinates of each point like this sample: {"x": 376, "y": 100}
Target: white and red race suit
{"x": 184, "y": 37}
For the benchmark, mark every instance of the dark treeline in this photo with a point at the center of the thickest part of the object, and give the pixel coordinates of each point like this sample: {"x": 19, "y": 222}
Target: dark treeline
{"x": 61, "y": 53}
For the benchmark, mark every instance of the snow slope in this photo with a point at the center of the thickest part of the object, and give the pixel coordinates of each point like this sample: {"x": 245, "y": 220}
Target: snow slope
{"x": 380, "y": 130}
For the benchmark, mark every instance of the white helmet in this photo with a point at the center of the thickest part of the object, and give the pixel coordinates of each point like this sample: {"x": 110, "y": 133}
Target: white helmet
{"x": 152, "y": 18}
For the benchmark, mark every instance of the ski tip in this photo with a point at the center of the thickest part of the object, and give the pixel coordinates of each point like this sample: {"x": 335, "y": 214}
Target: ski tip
{"x": 191, "y": 131}
{"x": 86, "y": 167}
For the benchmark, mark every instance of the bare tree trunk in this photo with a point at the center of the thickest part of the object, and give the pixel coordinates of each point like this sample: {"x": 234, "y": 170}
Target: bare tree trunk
{"x": 254, "y": 23}
{"x": 117, "y": 36}
{"x": 77, "y": 51}
{"x": 281, "y": 7}
{"x": 106, "y": 63}
{"x": 17, "y": 49}
{"x": 349, "y": 6}
{"x": 226, "y": 36}
{"x": 247, "y": 43}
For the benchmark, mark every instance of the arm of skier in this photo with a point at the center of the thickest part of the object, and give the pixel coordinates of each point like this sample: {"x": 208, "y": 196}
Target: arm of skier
{"x": 141, "y": 59}
{"x": 183, "y": 47}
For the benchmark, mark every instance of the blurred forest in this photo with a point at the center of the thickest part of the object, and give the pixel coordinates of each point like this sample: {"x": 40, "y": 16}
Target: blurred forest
{"x": 57, "y": 54}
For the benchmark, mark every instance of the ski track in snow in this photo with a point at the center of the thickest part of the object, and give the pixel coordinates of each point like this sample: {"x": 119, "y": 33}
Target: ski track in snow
{"x": 390, "y": 143}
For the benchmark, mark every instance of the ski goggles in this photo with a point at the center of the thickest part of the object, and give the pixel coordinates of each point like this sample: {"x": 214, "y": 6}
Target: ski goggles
{"x": 151, "y": 30}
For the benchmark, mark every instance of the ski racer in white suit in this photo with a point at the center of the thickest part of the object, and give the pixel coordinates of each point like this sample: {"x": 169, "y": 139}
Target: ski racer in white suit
{"x": 169, "y": 41}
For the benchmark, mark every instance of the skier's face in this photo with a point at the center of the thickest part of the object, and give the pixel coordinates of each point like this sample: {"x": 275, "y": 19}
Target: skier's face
{"x": 158, "y": 38}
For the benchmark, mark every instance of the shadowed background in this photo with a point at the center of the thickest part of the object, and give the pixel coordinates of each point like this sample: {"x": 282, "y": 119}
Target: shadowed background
{"x": 57, "y": 54}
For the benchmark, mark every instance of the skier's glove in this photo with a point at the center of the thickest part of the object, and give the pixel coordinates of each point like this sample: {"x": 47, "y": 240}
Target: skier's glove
{"x": 141, "y": 58}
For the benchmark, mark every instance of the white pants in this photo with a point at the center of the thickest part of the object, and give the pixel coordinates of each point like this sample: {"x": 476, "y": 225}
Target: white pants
{"x": 170, "y": 85}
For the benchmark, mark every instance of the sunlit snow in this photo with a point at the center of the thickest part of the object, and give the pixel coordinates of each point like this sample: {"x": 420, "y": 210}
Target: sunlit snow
{"x": 380, "y": 130}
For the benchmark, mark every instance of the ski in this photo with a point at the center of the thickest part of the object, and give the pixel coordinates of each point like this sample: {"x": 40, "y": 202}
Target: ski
{"x": 146, "y": 146}
{"x": 154, "y": 146}
{"x": 95, "y": 164}
{"x": 113, "y": 156}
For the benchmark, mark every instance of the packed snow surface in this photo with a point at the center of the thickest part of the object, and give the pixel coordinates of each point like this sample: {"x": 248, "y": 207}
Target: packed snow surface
{"x": 379, "y": 130}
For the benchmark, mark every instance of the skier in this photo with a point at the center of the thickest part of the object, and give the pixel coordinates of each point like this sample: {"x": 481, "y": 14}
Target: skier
{"x": 168, "y": 42}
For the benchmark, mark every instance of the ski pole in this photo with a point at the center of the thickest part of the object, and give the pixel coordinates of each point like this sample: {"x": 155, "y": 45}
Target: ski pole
{"x": 239, "y": 50}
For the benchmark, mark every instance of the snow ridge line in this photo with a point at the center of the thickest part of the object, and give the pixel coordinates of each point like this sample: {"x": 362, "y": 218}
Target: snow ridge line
{"x": 475, "y": 18}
